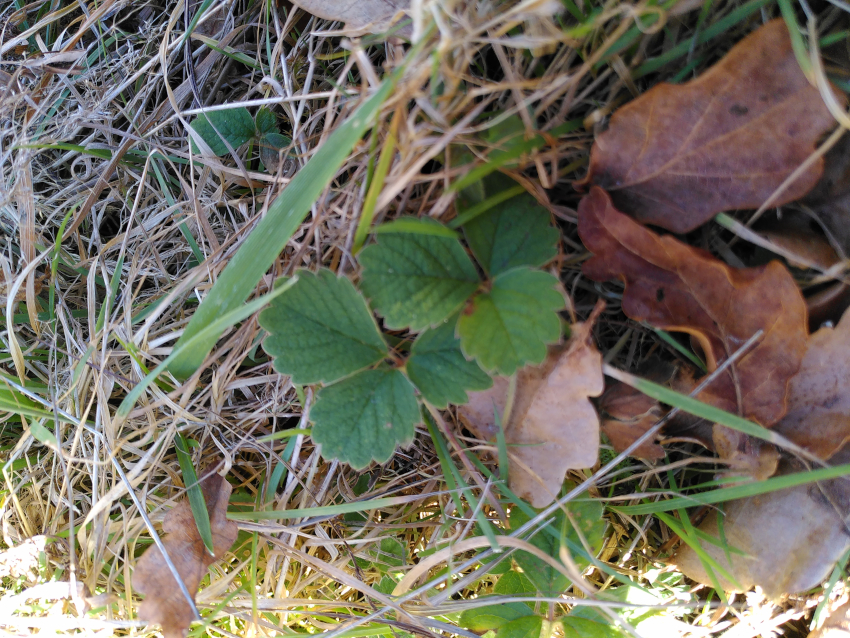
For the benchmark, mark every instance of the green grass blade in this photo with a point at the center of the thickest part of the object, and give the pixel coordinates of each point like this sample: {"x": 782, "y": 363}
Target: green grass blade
{"x": 268, "y": 239}
{"x": 193, "y": 490}
{"x": 208, "y": 333}
{"x": 737, "y": 491}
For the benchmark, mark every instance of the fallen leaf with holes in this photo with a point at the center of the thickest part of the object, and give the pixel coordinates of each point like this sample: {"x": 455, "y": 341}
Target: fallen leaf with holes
{"x": 785, "y": 541}
{"x": 552, "y": 427}
{"x": 679, "y": 154}
{"x": 818, "y": 417}
{"x": 627, "y": 415}
{"x": 677, "y": 287}
{"x": 360, "y": 16}
{"x": 164, "y": 603}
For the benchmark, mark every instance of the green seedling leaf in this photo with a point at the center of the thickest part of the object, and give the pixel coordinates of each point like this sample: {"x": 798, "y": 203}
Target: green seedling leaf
{"x": 386, "y": 585}
{"x": 583, "y": 628}
{"x": 547, "y": 580}
{"x": 416, "y": 280}
{"x": 234, "y": 125}
{"x": 364, "y": 417}
{"x": 515, "y": 233}
{"x": 514, "y": 583}
{"x": 415, "y": 226}
{"x": 439, "y": 370}
{"x": 266, "y": 122}
{"x": 525, "y": 627}
{"x": 511, "y": 325}
{"x": 321, "y": 330}
{"x": 388, "y": 557}
{"x": 493, "y": 617}
{"x": 270, "y": 146}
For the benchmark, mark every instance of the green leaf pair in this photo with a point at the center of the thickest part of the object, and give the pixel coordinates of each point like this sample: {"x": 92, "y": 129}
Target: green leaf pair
{"x": 418, "y": 277}
{"x": 235, "y": 127}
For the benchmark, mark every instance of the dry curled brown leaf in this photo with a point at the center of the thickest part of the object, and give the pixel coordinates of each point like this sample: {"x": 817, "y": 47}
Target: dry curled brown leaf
{"x": 164, "y": 603}
{"x": 627, "y": 415}
{"x": 678, "y": 154}
{"x": 552, "y": 426}
{"x": 677, "y": 287}
{"x": 790, "y": 539}
{"x": 360, "y": 16}
{"x": 818, "y": 417}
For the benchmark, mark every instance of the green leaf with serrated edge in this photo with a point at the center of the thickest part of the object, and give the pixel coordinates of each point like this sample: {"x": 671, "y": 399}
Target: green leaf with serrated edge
{"x": 415, "y": 226}
{"x": 515, "y": 583}
{"x": 511, "y": 325}
{"x": 493, "y": 616}
{"x": 235, "y": 125}
{"x": 548, "y": 580}
{"x": 364, "y": 417}
{"x": 416, "y": 280}
{"x": 525, "y": 627}
{"x": 583, "y": 628}
{"x": 265, "y": 122}
{"x": 514, "y": 233}
{"x": 386, "y": 585}
{"x": 321, "y": 330}
{"x": 439, "y": 370}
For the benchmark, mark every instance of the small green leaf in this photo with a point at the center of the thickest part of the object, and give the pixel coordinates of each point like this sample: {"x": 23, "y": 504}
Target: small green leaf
{"x": 270, "y": 146}
{"x": 235, "y": 125}
{"x": 439, "y": 370}
{"x": 415, "y": 226}
{"x": 364, "y": 417}
{"x": 389, "y": 556}
{"x": 575, "y": 627}
{"x": 548, "y": 580}
{"x": 515, "y": 233}
{"x": 525, "y": 627}
{"x": 266, "y": 122}
{"x": 514, "y": 583}
{"x": 321, "y": 330}
{"x": 512, "y": 324}
{"x": 416, "y": 280}
{"x": 386, "y": 585}
{"x": 493, "y": 617}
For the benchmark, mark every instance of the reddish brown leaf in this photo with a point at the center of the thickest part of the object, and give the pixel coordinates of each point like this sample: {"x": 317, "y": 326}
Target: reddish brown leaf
{"x": 164, "y": 603}
{"x": 678, "y": 154}
{"x": 818, "y": 416}
{"x": 630, "y": 413}
{"x": 677, "y": 287}
{"x": 552, "y": 427}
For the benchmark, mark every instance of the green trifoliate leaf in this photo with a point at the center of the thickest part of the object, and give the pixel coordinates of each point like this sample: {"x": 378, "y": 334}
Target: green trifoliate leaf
{"x": 514, "y": 233}
{"x": 364, "y": 417}
{"x": 511, "y": 325}
{"x": 321, "y": 330}
{"x": 439, "y": 370}
{"x": 234, "y": 125}
{"x": 417, "y": 280}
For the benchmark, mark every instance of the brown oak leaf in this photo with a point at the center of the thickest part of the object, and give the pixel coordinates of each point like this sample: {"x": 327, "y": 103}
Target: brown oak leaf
{"x": 627, "y": 415}
{"x": 818, "y": 417}
{"x": 785, "y": 541}
{"x": 679, "y": 154}
{"x": 677, "y": 287}
{"x": 164, "y": 603}
{"x": 552, "y": 427}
